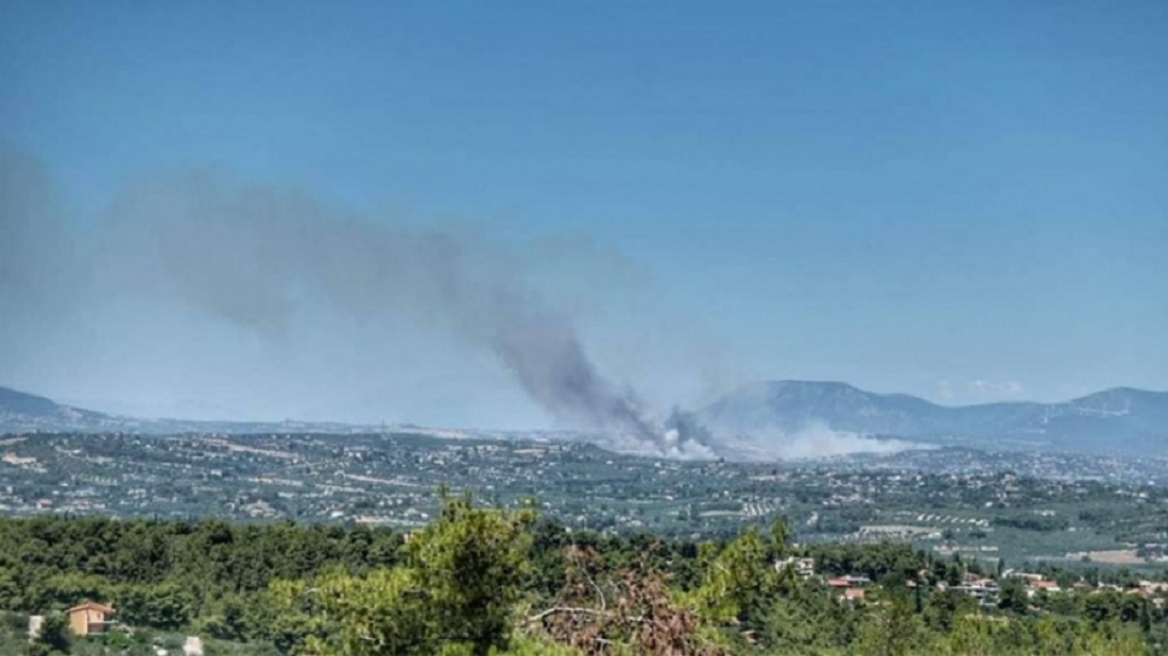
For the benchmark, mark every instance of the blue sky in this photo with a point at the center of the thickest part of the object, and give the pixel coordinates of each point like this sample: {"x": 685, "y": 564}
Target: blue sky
{"x": 967, "y": 201}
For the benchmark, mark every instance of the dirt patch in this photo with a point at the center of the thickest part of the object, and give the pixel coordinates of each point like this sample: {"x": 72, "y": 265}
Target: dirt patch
{"x": 1116, "y": 557}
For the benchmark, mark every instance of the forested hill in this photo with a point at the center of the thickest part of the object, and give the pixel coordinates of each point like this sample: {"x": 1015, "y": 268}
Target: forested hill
{"x": 495, "y": 581}
{"x": 1123, "y": 419}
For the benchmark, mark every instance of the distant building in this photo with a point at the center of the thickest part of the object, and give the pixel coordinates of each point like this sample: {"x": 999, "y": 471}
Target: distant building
{"x": 1015, "y": 574}
{"x": 193, "y": 646}
{"x": 803, "y": 568}
{"x": 849, "y": 588}
{"x": 1042, "y": 586}
{"x": 985, "y": 591}
{"x": 1153, "y": 587}
{"x": 90, "y": 618}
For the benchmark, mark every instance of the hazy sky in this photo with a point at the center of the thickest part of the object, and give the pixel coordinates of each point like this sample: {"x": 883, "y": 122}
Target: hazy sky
{"x": 966, "y": 201}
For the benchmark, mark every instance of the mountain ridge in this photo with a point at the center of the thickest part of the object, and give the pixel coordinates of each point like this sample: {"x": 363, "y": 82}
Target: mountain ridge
{"x": 1120, "y": 419}
{"x": 1127, "y": 417}
{"x": 21, "y": 412}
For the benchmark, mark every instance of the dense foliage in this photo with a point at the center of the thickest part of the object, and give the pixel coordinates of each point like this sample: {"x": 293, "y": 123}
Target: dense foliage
{"x": 491, "y": 581}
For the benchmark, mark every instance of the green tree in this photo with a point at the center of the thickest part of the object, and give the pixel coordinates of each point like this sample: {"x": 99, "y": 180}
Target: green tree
{"x": 891, "y": 627}
{"x": 458, "y": 589}
{"x": 162, "y": 606}
{"x": 54, "y": 637}
{"x": 1012, "y": 596}
{"x": 740, "y": 581}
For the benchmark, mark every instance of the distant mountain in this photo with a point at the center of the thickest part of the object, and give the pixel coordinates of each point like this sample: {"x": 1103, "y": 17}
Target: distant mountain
{"x": 19, "y": 402}
{"x": 1123, "y": 419}
{"x": 1120, "y": 421}
{"x": 20, "y": 412}
{"x": 26, "y": 413}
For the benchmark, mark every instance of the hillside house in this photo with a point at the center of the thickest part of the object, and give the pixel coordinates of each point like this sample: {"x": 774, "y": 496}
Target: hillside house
{"x": 1043, "y": 585}
{"x": 804, "y": 568}
{"x": 985, "y": 591}
{"x": 849, "y": 588}
{"x": 90, "y": 618}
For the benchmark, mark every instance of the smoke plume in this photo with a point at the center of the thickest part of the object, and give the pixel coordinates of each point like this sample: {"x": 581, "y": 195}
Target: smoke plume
{"x": 812, "y": 441}
{"x": 251, "y": 254}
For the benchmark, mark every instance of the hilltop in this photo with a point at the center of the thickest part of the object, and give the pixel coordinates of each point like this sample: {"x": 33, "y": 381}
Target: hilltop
{"x": 21, "y": 412}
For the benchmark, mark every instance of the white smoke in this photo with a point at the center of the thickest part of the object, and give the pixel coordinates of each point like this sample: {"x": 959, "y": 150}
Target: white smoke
{"x": 814, "y": 440}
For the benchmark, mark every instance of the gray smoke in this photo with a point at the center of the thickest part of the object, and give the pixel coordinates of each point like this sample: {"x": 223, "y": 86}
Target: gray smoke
{"x": 31, "y": 239}
{"x": 254, "y": 254}
{"x": 248, "y": 253}
{"x": 38, "y": 263}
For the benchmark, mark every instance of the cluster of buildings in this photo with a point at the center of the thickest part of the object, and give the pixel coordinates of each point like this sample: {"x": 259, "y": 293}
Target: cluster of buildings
{"x": 850, "y": 587}
{"x": 984, "y": 589}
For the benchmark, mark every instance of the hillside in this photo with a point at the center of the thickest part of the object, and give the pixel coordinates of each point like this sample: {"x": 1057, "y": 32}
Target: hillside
{"x": 1123, "y": 419}
{"x": 20, "y": 412}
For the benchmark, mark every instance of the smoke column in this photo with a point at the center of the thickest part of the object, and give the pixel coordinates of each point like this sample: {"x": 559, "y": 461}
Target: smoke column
{"x": 248, "y": 253}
